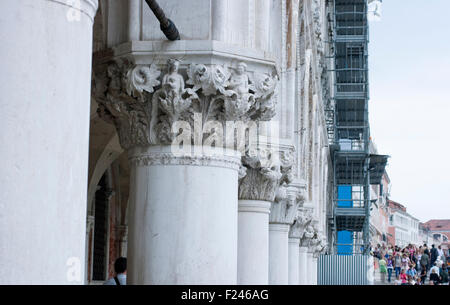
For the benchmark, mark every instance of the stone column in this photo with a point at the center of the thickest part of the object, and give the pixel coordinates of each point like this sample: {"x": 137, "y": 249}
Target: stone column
{"x": 183, "y": 190}
{"x": 314, "y": 273}
{"x": 310, "y": 268}
{"x": 122, "y": 237}
{"x": 289, "y": 75}
{"x": 183, "y": 219}
{"x": 257, "y": 188}
{"x": 314, "y": 247}
{"x": 283, "y": 212}
{"x": 320, "y": 248}
{"x": 302, "y": 265}
{"x": 90, "y": 224}
{"x": 253, "y": 242}
{"x": 295, "y": 235}
{"x": 293, "y": 266}
{"x": 219, "y": 20}
{"x": 44, "y": 120}
{"x": 262, "y": 24}
{"x": 306, "y": 233}
{"x": 279, "y": 254}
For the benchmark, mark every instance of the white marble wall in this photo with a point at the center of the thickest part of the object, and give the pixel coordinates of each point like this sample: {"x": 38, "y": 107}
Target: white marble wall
{"x": 243, "y": 23}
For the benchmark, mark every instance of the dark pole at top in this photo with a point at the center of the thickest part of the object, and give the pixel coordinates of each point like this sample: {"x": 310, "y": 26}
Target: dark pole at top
{"x": 167, "y": 26}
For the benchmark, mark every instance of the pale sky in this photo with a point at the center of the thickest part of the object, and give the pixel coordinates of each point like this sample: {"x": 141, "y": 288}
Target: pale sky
{"x": 409, "y": 107}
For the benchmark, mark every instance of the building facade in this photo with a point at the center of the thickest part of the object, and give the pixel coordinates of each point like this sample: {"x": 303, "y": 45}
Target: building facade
{"x": 439, "y": 229}
{"x": 379, "y": 217}
{"x": 403, "y": 227}
{"x": 425, "y": 236}
{"x": 203, "y": 160}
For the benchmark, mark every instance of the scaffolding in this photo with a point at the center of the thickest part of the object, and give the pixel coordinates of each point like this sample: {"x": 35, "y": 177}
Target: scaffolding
{"x": 354, "y": 167}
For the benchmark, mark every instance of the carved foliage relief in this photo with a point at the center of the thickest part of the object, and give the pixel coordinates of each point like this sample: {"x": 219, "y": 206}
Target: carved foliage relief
{"x": 143, "y": 102}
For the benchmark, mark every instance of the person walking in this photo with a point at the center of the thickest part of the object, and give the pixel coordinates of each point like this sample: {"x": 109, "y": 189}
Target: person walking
{"x": 425, "y": 260}
{"x": 120, "y": 267}
{"x": 397, "y": 264}
{"x": 405, "y": 261}
{"x": 383, "y": 270}
{"x": 390, "y": 267}
{"x": 418, "y": 257}
{"x": 390, "y": 251}
{"x": 403, "y": 277}
{"x": 423, "y": 276}
{"x": 411, "y": 271}
{"x": 434, "y": 255}
{"x": 441, "y": 255}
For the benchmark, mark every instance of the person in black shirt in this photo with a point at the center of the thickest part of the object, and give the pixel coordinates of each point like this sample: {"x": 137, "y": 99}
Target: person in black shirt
{"x": 434, "y": 277}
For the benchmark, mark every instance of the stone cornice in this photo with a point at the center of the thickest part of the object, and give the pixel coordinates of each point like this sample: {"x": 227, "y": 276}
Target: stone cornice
{"x": 199, "y": 51}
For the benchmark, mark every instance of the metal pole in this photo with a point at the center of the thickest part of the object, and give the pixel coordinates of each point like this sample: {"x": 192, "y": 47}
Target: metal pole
{"x": 167, "y": 26}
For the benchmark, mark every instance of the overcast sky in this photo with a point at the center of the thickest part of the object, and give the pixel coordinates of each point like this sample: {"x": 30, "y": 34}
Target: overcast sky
{"x": 409, "y": 107}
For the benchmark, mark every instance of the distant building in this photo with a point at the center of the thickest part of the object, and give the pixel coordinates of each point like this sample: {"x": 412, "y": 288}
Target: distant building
{"x": 425, "y": 236}
{"x": 403, "y": 227}
{"x": 379, "y": 220}
{"x": 440, "y": 231}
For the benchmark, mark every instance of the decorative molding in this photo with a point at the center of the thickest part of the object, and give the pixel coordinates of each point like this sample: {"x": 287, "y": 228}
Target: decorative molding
{"x": 144, "y": 106}
{"x": 166, "y": 158}
{"x": 254, "y": 206}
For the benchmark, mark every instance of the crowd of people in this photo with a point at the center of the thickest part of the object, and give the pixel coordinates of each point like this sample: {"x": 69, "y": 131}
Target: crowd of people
{"x": 413, "y": 265}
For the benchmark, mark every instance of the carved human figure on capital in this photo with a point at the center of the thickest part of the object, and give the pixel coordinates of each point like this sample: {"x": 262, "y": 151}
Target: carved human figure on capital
{"x": 308, "y": 235}
{"x": 239, "y": 81}
{"x": 173, "y": 78}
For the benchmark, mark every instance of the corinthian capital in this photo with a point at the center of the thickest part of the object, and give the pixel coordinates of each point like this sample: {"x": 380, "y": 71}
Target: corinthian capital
{"x": 266, "y": 173}
{"x": 260, "y": 176}
{"x": 320, "y": 244}
{"x": 146, "y": 102}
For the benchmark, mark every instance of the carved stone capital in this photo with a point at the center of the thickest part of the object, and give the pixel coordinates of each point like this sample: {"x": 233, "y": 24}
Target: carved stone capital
{"x": 154, "y": 104}
{"x": 284, "y": 209}
{"x": 320, "y": 244}
{"x": 259, "y": 176}
{"x": 266, "y": 174}
{"x": 309, "y": 227}
{"x": 298, "y": 228}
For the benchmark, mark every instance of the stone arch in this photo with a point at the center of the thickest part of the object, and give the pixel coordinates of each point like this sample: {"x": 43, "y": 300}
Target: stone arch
{"x": 110, "y": 153}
